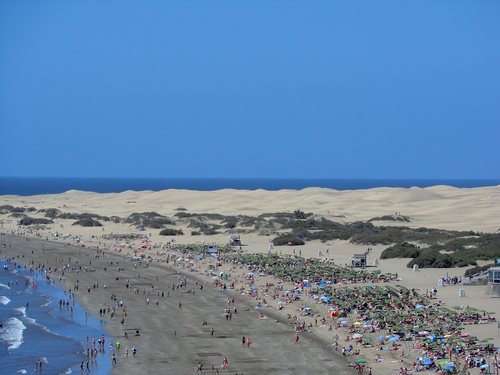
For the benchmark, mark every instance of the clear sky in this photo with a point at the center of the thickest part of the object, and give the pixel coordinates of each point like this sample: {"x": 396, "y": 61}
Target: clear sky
{"x": 331, "y": 89}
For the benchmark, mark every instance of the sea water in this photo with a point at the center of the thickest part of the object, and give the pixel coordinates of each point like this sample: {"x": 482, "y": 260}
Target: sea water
{"x": 34, "y": 327}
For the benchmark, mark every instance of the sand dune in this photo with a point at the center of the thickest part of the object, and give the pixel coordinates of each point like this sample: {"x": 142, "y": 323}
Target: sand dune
{"x": 439, "y": 206}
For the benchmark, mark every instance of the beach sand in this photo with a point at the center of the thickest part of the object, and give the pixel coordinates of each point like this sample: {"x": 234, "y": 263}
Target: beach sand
{"x": 437, "y": 207}
{"x": 173, "y": 340}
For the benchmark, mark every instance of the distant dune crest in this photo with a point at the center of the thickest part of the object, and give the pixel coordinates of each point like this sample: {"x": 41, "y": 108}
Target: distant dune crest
{"x": 438, "y": 207}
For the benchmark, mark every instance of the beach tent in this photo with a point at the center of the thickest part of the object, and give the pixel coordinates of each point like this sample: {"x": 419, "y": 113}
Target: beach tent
{"x": 450, "y": 368}
{"x": 426, "y": 361}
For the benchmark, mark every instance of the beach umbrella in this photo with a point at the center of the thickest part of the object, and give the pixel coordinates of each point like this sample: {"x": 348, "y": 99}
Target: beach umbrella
{"x": 484, "y": 366}
{"x": 394, "y": 338}
{"x": 420, "y": 307}
{"x": 361, "y": 361}
{"x": 357, "y": 336}
{"x": 357, "y": 323}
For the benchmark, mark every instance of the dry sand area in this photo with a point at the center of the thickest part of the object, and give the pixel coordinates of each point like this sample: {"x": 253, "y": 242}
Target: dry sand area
{"x": 441, "y": 207}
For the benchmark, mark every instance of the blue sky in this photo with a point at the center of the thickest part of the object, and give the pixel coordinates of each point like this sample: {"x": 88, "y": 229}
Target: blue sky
{"x": 327, "y": 89}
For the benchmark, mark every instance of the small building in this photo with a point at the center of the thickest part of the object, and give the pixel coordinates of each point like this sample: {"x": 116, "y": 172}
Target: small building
{"x": 493, "y": 287}
{"x": 234, "y": 240}
{"x": 494, "y": 275}
{"x": 211, "y": 249}
{"x": 358, "y": 261}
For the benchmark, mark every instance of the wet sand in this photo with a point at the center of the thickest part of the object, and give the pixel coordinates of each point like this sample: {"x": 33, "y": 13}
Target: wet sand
{"x": 173, "y": 340}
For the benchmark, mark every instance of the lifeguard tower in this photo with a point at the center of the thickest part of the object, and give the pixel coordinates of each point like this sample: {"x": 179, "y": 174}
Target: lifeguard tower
{"x": 211, "y": 249}
{"x": 234, "y": 240}
{"x": 494, "y": 281}
{"x": 358, "y": 261}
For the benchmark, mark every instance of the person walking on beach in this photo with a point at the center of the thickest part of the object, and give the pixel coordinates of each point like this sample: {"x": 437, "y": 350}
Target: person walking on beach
{"x": 296, "y": 338}
{"x": 225, "y": 363}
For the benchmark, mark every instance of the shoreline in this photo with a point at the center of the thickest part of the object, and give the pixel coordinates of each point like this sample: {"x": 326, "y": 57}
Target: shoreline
{"x": 40, "y": 322}
{"x": 321, "y": 338}
{"x": 252, "y": 324}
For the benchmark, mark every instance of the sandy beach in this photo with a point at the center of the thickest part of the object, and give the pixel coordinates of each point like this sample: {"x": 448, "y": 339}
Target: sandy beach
{"x": 177, "y": 339}
{"x": 174, "y": 339}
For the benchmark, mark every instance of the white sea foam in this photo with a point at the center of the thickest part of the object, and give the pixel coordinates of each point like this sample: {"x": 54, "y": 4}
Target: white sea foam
{"x": 22, "y": 371}
{"x": 12, "y": 333}
{"x": 69, "y": 371}
{"x": 22, "y": 310}
{"x": 4, "y": 300}
{"x": 4, "y": 286}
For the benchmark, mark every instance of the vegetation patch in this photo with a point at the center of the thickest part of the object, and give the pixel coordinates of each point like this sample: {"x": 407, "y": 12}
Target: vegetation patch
{"x": 288, "y": 239}
{"x": 87, "y": 222}
{"x": 171, "y": 232}
{"x": 402, "y": 218}
{"x": 7, "y": 208}
{"x": 149, "y": 220}
{"x": 401, "y": 250}
{"x": 34, "y": 221}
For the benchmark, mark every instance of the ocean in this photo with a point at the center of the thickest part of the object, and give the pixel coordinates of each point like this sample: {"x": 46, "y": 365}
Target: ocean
{"x": 34, "y": 327}
{"x": 46, "y": 185}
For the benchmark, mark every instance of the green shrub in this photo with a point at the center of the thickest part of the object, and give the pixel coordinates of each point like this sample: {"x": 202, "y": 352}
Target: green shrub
{"x": 288, "y": 239}
{"x": 52, "y": 212}
{"x": 171, "y": 232}
{"x": 87, "y": 222}
{"x": 432, "y": 259}
{"x": 401, "y": 250}
{"x": 31, "y": 220}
